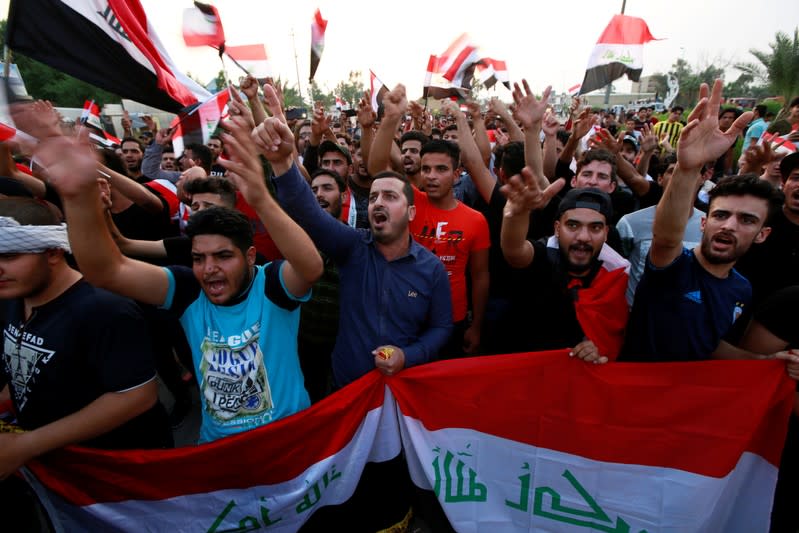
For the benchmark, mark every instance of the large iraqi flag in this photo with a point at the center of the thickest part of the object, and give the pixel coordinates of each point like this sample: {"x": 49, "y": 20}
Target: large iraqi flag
{"x": 521, "y": 442}
{"x": 108, "y": 43}
{"x": 619, "y": 51}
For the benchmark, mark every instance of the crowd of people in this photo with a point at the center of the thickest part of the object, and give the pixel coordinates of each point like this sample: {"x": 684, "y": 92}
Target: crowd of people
{"x": 285, "y": 259}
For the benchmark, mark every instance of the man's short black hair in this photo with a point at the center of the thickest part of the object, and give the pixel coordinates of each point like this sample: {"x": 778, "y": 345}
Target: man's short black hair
{"x": 440, "y": 146}
{"x": 748, "y": 185}
{"x": 201, "y": 153}
{"x": 407, "y": 188}
{"x": 28, "y": 211}
{"x": 676, "y": 108}
{"x": 794, "y": 102}
{"x": 213, "y": 185}
{"x": 598, "y": 155}
{"x": 737, "y": 112}
{"x": 222, "y": 221}
{"x": 451, "y": 127}
{"x": 333, "y": 174}
{"x": 330, "y": 146}
{"x": 760, "y": 110}
{"x": 132, "y": 140}
{"x": 512, "y": 161}
{"x": 218, "y": 138}
{"x": 414, "y": 135}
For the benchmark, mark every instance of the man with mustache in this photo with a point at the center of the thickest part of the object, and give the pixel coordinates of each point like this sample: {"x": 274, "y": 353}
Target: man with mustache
{"x": 688, "y": 300}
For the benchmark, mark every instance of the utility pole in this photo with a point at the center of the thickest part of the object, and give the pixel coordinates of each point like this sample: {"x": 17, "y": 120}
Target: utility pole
{"x": 296, "y": 65}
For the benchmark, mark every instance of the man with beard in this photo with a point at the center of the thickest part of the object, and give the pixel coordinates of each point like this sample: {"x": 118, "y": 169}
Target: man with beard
{"x": 411, "y": 144}
{"x": 688, "y": 300}
{"x": 397, "y": 310}
{"x": 132, "y": 156}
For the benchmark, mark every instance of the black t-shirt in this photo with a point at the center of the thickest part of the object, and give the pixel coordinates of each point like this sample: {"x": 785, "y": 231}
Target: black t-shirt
{"x": 774, "y": 263}
{"x": 85, "y": 343}
{"x": 777, "y": 314}
{"x": 542, "y": 313}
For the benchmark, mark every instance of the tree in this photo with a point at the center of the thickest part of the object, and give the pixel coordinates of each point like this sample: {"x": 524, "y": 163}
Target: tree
{"x": 351, "y": 90}
{"x": 780, "y": 66}
{"x": 46, "y": 83}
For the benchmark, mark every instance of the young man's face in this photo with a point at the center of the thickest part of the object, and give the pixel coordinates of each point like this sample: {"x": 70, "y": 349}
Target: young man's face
{"x": 168, "y": 161}
{"x": 726, "y": 119}
{"x": 221, "y": 268}
{"x": 327, "y": 194}
{"x": 667, "y": 174}
{"x": 303, "y": 138}
{"x": 23, "y": 275}
{"x": 451, "y": 136}
{"x": 357, "y": 163}
{"x": 732, "y": 224}
{"x": 411, "y": 161}
{"x": 790, "y": 188}
{"x": 389, "y": 212}
{"x": 337, "y": 162}
{"x": 132, "y": 155}
{"x": 793, "y": 114}
{"x": 674, "y": 115}
{"x": 581, "y": 233}
{"x": 628, "y": 152}
{"x": 596, "y": 174}
{"x": 215, "y": 145}
{"x": 438, "y": 175}
{"x": 204, "y": 200}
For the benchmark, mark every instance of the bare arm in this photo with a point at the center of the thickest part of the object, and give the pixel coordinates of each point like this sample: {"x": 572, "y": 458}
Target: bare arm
{"x": 249, "y": 86}
{"x": 550, "y": 126}
{"x": 136, "y": 192}
{"x": 303, "y": 263}
{"x": 530, "y": 112}
{"x": 479, "y": 134}
{"x": 366, "y": 119}
{"x": 395, "y": 104}
{"x": 626, "y": 171}
{"x": 649, "y": 143}
{"x": 514, "y": 131}
{"x": 470, "y": 155}
{"x": 101, "y": 416}
{"x": 581, "y": 127}
{"x": 701, "y": 141}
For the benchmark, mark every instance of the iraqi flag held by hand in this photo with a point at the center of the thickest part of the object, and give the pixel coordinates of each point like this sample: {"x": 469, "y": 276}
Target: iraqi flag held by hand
{"x": 619, "y": 51}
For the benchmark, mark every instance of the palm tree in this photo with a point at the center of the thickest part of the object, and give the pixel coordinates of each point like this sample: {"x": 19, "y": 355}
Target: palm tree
{"x": 779, "y": 67}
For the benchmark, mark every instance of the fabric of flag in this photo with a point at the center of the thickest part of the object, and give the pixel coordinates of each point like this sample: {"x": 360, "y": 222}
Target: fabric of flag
{"x": 436, "y": 86}
{"x": 521, "y": 442}
{"x": 318, "y": 27}
{"x": 492, "y": 71}
{"x": 377, "y": 90}
{"x": 339, "y": 103}
{"x": 457, "y": 63}
{"x": 202, "y": 26}
{"x": 619, "y": 51}
{"x": 91, "y": 114}
{"x": 253, "y": 58}
{"x": 198, "y": 124}
{"x": 108, "y": 43}
{"x": 103, "y": 138}
{"x": 574, "y": 89}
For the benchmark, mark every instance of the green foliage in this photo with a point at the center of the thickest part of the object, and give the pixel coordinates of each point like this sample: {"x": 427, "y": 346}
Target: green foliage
{"x": 351, "y": 90}
{"x": 690, "y": 80}
{"x": 779, "y": 67}
{"x": 47, "y": 83}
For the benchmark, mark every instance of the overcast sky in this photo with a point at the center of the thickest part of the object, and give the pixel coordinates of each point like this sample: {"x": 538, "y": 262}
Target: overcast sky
{"x": 546, "y": 42}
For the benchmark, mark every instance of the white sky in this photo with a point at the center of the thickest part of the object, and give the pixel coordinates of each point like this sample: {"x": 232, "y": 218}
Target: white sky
{"x": 548, "y": 43}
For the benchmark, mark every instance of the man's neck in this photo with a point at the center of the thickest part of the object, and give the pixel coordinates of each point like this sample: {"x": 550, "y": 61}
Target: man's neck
{"x": 63, "y": 277}
{"x": 447, "y": 203}
{"x": 792, "y": 216}
{"x": 719, "y": 270}
{"x": 416, "y": 180}
{"x": 364, "y": 182}
{"x": 395, "y": 249}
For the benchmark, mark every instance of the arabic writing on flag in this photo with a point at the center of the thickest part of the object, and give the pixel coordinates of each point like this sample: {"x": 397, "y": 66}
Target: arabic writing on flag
{"x": 520, "y": 442}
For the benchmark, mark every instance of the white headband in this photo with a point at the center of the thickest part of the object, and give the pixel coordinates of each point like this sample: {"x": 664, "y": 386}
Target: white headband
{"x": 16, "y": 238}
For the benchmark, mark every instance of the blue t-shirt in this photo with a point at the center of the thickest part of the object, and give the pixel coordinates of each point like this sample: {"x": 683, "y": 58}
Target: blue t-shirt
{"x": 245, "y": 354}
{"x": 681, "y": 311}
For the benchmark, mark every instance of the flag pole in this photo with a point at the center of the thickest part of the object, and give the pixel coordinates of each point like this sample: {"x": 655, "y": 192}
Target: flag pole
{"x": 296, "y": 64}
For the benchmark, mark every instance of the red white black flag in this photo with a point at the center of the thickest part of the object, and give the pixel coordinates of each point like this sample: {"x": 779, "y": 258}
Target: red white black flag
{"x": 492, "y": 71}
{"x": 436, "y": 86}
{"x": 108, "y": 43}
{"x": 253, "y": 58}
{"x": 619, "y": 51}
{"x": 377, "y": 90}
{"x": 197, "y": 125}
{"x": 318, "y": 27}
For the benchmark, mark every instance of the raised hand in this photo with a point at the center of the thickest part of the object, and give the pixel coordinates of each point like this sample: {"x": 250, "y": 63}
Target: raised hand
{"x": 273, "y": 102}
{"x": 474, "y": 110}
{"x": 320, "y": 123}
{"x": 757, "y": 156}
{"x": 237, "y": 107}
{"x": 523, "y": 193}
{"x": 395, "y": 102}
{"x": 583, "y": 122}
{"x": 366, "y": 115}
{"x": 243, "y": 165}
{"x": 529, "y": 110}
{"x": 150, "y": 123}
{"x": 551, "y": 124}
{"x": 163, "y": 137}
{"x": 278, "y": 91}
{"x": 38, "y": 119}
{"x": 274, "y": 140}
{"x": 604, "y": 140}
{"x": 649, "y": 141}
{"x": 68, "y": 164}
{"x": 701, "y": 141}
{"x": 249, "y": 86}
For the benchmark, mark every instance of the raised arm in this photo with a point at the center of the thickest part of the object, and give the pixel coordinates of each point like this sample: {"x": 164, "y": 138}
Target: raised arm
{"x": 303, "y": 264}
{"x": 366, "y": 119}
{"x": 701, "y": 141}
{"x": 604, "y": 140}
{"x": 530, "y": 112}
{"x": 649, "y": 143}
{"x": 515, "y": 133}
{"x": 580, "y": 128}
{"x": 134, "y": 191}
{"x": 478, "y": 132}
{"x": 550, "y": 126}
{"x": 249, "y": 86}
{"x": 470, "y": 154}
{"x": 395, "y": 104}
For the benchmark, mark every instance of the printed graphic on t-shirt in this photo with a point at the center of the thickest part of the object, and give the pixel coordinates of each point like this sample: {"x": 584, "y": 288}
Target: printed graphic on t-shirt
{"x": 235, "y": 384}
{"x": 21, "y": 359}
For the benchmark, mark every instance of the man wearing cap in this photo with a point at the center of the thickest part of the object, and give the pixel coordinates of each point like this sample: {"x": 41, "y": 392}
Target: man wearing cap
{"x": 76, "y": 360}
{"x": 336, "y": 157}
{"x": 570, "y": 295}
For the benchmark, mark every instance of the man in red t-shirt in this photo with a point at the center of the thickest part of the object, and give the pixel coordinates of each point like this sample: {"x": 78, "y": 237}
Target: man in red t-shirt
{"x": 458, "y": 236}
